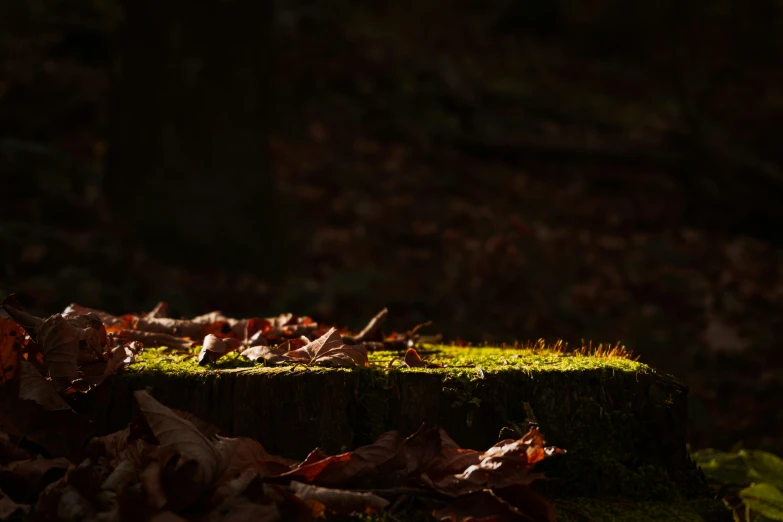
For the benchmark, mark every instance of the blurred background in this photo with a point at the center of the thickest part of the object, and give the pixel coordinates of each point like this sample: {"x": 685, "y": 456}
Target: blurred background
{"x": 509, "y": 169}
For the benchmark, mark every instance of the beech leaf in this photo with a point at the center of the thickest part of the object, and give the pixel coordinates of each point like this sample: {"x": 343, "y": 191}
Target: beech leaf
{"x": 64, "y": 340}
{"x": 180, "y": 436}
{"x": 330, "y": 350}
{"x": 214, "y": 348}
{"x": 270, "y": 355}
{"x": 35, "y": 387}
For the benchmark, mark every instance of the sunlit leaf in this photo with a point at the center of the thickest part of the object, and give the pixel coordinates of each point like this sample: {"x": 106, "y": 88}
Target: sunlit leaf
{"x": 765, "y": 499}
{"x": 330, "y": 350}
{"x": 722, "y": 467}
{"x": 764, "y": 467}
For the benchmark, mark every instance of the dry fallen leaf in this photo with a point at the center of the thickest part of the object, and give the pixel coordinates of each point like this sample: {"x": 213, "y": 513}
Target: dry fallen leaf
{"x": 65, "y": 342}
{"x": 412, "y": 359}
{"x": 267, "y": 354}
{"x": 35, "y": 387}
{"x": 180, "y": 436}
{"x": 370, "y": 329}
{"x": 340, "y": 501}
{"x": 153, "y": 339}
{"x": 330, "y": 350}
{"x": 214, "y": 348}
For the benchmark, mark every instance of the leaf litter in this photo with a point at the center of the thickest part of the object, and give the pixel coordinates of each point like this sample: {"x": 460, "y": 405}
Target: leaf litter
{"x": 168, "y": 465}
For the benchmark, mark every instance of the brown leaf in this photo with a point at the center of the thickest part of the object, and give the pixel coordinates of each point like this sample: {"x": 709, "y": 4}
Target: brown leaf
{"x": 180, "y": 436}
{"x": 175, "y": 327}
{"x": 34, "y": 387}
{"x": 412, "y": 359}
{"x": 122, "y": 356}
{"x": 233, "y": 487}
{"x": 12, "y": 340}
{"x": 120, "y": 477}
{"x": 155, "y": 340}
{"x": 340, "y": 501}
{"x": 430, "y": 450}
{"x": 348, "y": 468}
{"x": 250, "y": 454}
{"x": 153, "y": 486}
{"x": 507, "y": 463}
{"x": 330, "y": 350}
{"x": 65, "y": 341}
{"x": 269, "y": 355}
{"x": 207, "y": 429}
{"x": 161, "y": 310}
{"x": 214, "y": 348}
{"x": 111, "y": 445}
{"x": 110, "y": 321}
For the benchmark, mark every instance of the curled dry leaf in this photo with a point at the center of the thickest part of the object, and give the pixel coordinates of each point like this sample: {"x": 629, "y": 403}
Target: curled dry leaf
{"x": 175, "y": 327}
{"x": 110, "y": 321}
{"x": 265, "y": 353}
{"x": 348, "y": 468}
{"x": 370, "y": 329}
{"x": 330, "y": 350}
{"x": 122, "y": 356}
{"x": 507, "y": 463}
{"x": 340, "y": 501}
{"x": 412, "y": 359}
{"x": 180, "y": 436}
{"x": 214, "y": 348}
{"x": 35, "y": 387}
{"x": 161, "y": 310}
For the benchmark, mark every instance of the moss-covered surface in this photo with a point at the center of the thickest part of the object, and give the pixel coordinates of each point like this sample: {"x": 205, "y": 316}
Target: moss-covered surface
{"x": 622, "y": 422}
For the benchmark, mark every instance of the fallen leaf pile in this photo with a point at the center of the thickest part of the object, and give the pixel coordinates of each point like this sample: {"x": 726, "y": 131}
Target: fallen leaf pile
{"x": 73, "y": 349}
{"x": 167, "y": 465}
{"x": 282, "y": 339}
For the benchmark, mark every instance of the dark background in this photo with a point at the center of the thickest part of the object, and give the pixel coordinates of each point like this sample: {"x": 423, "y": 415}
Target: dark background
{"x": 511, "y": 170}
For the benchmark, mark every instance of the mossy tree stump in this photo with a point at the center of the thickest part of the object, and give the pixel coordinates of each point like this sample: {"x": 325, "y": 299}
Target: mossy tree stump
{"x": 622, "y": 423}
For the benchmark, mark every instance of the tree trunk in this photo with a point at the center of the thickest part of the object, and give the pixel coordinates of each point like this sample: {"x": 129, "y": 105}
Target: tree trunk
{"x": 188, "y": 171}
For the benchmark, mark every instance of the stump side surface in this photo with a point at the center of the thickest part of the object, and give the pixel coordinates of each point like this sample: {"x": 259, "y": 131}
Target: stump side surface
{"x": 622, "y": 423}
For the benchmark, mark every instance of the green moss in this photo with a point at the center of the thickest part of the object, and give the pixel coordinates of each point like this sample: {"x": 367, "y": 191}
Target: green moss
{"x": 461, "y": 362}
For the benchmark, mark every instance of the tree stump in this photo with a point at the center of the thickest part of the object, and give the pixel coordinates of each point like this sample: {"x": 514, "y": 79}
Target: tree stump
{"x": 622, "y": 423}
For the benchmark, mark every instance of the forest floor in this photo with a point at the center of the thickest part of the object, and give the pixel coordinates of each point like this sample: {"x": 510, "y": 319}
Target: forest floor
{"x": 504, "y": 192}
